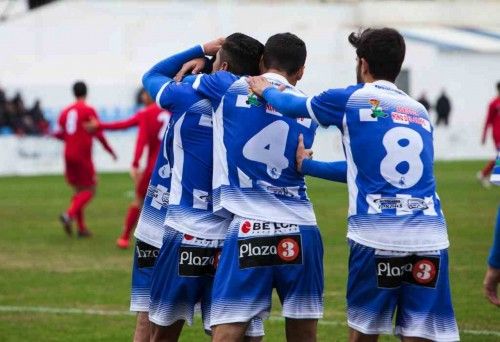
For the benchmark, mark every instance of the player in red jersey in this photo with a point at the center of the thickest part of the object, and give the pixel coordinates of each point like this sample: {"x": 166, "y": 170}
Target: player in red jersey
{"x": 152, "y": 122}
{"x": 79, "y": 169}
{"x": 493, "y": 122}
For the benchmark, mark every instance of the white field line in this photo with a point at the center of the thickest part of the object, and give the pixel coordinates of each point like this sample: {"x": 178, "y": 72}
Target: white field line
{"x": 94, "y": 312}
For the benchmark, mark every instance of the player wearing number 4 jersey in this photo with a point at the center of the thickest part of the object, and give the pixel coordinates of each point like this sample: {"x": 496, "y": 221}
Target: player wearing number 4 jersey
{"x": 396, "y": 229}
{"x": 193, "y": 236}
{"x": 273, "y": 240}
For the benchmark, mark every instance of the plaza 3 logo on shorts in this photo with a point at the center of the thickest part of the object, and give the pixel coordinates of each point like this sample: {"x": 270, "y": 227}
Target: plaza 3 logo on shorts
{"x": 146, "y": 254}
{"x": 411, "y": 269}
{"x": 198, "y": 257}
{"x": 269, "y": 244}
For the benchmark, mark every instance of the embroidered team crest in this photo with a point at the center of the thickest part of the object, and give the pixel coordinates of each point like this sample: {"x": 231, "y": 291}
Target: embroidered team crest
{"x": 377, "y": 112}
{"x": 252, "y": 100}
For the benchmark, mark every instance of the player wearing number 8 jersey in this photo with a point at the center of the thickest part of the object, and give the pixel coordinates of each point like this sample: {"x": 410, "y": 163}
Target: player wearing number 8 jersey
{"x": 396, "y": 228}
{"x": 273, "y": 240}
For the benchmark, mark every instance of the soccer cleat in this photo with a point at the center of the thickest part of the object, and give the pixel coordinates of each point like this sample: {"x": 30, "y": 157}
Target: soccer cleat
{"x": 122, "y": 243}
{"x": 84, "y": 233}
{"x": 485, "y": 181}
{"x": 66, "y": 223}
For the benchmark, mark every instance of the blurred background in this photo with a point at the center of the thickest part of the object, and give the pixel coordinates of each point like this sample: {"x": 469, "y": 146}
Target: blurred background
{"x": 453, "y": 49}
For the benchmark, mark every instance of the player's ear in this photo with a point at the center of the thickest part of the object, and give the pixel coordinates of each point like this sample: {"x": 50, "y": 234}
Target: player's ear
{"x": 300, "y": 73}
{"x": 365, "y": 67}
{"x": 224, "y": 66}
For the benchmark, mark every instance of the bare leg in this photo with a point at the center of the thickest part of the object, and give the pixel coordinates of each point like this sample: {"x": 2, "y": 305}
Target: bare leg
{"x": 231, "y": 332}
{"x": 301, "y": 330}
{"x": 166, "y": 334}
{"x": 356, "y": 336}
{"x": 142, "y": 328}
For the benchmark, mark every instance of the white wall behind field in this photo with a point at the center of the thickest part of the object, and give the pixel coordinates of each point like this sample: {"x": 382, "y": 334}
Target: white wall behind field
{"x": 109, "y": 44}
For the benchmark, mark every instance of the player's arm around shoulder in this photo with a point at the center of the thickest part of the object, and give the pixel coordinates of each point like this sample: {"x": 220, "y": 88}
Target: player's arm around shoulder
{"x": 329, "y": 107}
{"x": 162, "y": 73}
{"x": 214, "y": 86}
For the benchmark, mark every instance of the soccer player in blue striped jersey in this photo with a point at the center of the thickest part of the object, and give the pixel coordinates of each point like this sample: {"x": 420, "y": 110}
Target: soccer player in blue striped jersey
{"x": 149, "y": 237}
{"x": 396, "y": 229}
{"x": 273, "y": 240}
{"x": 193, "y": 235}
{"x": 492, "y": 277}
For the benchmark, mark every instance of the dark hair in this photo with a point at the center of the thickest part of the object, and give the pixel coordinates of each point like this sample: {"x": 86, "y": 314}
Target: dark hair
{"x": 285, "y": 52}
{"x": 79, "y": 89}
{"x": 498, "y": 86}
{"x": 242, "y": 53}
{"x": 384, "y": 50}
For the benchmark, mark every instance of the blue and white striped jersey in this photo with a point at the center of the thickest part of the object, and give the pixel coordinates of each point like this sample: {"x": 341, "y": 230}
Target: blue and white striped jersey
{"x": 254, "y": 152}
{"x": 388, "y": 141}
{"x": 190, "y": 141}
{"x": 150, "y": 225}
{"x": 495, "y": 175}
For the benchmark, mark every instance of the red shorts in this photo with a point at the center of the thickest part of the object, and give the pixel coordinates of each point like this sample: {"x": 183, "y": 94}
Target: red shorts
{"x": 80, "y": 173}
{"x": 142, "y": 186}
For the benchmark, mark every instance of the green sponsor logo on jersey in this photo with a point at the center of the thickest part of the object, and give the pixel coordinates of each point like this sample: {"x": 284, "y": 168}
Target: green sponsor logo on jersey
{"x": 252, "y": 100}
{"x": 377, "y": 112}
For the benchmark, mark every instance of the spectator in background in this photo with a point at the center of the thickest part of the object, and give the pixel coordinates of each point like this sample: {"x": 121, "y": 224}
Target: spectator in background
{"x": 15, "y": 111}
{"x": 443, "y": 109}
{"x": 3, "y": 109}
{"x": 493, "y": 122}
{"x": 423, "y": 100}
{"x": 36, "y": 113}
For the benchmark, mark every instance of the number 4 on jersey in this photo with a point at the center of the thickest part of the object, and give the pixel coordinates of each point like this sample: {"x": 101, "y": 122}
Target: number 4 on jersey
{"x": 268, "y": 147}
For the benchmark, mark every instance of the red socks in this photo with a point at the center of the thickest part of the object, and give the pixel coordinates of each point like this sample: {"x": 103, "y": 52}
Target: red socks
{"x": 488, "y": 168}
{"x": 130, "y": 221}
{"x": 78, "y": 203}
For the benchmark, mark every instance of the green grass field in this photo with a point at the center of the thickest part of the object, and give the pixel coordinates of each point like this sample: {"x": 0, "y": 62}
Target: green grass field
{"x": 41, "y": 268}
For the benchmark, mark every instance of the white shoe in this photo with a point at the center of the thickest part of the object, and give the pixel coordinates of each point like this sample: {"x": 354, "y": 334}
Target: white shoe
{"x": 485, "y": 181}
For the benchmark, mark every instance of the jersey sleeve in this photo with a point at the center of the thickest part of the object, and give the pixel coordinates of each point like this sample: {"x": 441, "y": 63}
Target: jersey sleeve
{"x": 59, "y": 132}
{"x": 161, "y": 74}
{"x": 328, "y": 108}
{"x": 122, "y": 124}
{"x": 214, "y": 86}
{"x": 142, "y": 138}
{"x": 489, "y": 120}
{"x": 175, "y": 96}
{"x": 334, "y": 171}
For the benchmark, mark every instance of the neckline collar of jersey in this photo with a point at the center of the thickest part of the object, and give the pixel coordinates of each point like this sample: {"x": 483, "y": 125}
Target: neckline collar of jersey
{"x": 277, "y": 77}
{"x": 386, "y": 84}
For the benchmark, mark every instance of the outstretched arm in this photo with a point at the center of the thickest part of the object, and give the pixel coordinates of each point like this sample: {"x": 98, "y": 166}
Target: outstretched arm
{"x": 163, "y": 72}
{"x": 327, "y": 108}
{"x": 334, "y": 171}
{"x": 122, "y": 124}
{"x": 287, "y": 104}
